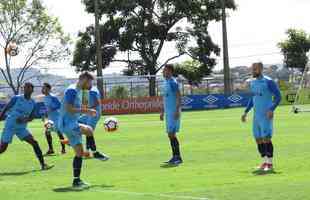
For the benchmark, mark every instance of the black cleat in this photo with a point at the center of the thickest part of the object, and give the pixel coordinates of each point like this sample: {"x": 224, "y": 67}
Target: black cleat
{"x": 49, "y": 153}
{"x": 101, "y": 156}
{"x": 175, "y": 161}
{"x": 78, "y": 184}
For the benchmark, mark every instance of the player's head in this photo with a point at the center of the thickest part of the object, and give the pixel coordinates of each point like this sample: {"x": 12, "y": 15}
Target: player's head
{"x": 46, "y": 88}
{"x": 28, "y": 89}
{"x": 85, "y": 81}
{"x": 257, "y": 69}
{"x": 168, "y": 71}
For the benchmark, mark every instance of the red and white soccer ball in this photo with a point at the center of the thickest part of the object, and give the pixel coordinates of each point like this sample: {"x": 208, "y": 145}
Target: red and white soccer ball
{"x": 111, "y": 124}
{"x": 12, "y": 49}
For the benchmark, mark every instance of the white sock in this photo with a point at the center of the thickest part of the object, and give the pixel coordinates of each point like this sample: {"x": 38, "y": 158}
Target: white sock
{"x": 269, "y": 161}
{"x": 265, "y": 159}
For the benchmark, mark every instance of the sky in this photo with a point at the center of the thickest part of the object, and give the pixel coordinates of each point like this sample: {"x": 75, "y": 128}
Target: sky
{"x": 254, "y": 30}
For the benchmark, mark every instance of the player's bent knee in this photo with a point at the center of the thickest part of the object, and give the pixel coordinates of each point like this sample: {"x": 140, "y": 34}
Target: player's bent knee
{"x": 78, "y": 150}
{"x": 86, "y": 130}
{"x": 172, "y": 135}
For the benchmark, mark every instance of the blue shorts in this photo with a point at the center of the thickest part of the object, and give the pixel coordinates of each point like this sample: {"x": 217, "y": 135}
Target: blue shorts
{"x": 9, "y": 131}
{"x": 262, "y": 128}
{"x": 172, "y": 125}
{"x": 73, "y": 133}
{"x": 90, "y": 121}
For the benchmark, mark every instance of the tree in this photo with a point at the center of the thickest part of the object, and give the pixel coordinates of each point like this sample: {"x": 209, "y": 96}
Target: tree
{"x": 193, "y": 71}
{"x": 84, "y": 55}
{"x": 119, "y": 92}
{"x": 145, "y": 26}
{"x": 39, "y": 38}
{"x": 295, "y": 48}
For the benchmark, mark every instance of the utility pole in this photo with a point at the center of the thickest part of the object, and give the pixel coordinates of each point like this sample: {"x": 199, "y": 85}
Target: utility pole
{"x": 98, "y": 50}
{"x": 227, "y": 78}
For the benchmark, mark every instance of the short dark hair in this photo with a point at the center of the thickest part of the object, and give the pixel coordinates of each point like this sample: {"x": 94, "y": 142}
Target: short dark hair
{"x": 86, "y": 75}
{"x": 29, "y": 84}
{"x": 47, "y": 85}
{"x": 260, "y": 64}
{"x": 170, "y": 67}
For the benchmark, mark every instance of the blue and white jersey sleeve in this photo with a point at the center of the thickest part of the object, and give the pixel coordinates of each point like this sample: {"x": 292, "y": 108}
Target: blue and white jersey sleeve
{"x": 274, "y": 89}
{"x": 250, "y": 105}
{"x": 70, "y": 96}
{"x": 55, "y": 103}
{"x": 174, "y": 85}
{"x": 12, "y": 102}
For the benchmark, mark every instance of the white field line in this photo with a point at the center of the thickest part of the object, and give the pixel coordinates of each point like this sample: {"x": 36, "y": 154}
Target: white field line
{"x": 152, "y": 194}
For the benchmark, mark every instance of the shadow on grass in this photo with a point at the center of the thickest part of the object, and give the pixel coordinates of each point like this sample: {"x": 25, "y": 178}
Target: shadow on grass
{"x": 51, "y": 155}
{"x": 261, "y": 172}
{"x": 18, "y": 173}
{"x": 71, "y": 189}
{"x": 167, "y": 165}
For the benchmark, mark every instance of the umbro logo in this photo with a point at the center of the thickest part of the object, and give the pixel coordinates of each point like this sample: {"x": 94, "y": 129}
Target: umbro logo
{"x": 210, "y": 99}
{"x": 186, "y": 100}
{"x": 235, "y": 98}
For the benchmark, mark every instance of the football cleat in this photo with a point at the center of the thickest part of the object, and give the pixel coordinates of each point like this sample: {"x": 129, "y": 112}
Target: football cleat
{"x": 101, "y": 156}
{"x": 78, "y": 184}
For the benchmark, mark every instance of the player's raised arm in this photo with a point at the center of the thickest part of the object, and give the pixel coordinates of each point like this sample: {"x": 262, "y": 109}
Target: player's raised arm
{"x": 9, "y": 105}
{"x": 274, "y": 89}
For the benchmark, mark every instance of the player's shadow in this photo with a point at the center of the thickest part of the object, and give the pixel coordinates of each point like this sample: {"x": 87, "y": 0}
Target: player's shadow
{"x": 167, "y": 165}
{"x": 71, "y": 189}
{"x": 18, "y": 173}
{"x": 261, "y": 172}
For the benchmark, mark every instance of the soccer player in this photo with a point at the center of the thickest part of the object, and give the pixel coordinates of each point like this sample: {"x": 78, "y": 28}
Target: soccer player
{"x": 52, "y": 104}
{"x": 265, "y": 98}
{"x": 71, "y": 110}
{"x": 20, "y": 110}
{"x": 94, "y": 103}
{"x": 171, "y": 112}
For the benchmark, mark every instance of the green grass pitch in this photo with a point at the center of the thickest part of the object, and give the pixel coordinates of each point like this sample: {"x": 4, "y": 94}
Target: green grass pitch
{"x": 218, "y": 151}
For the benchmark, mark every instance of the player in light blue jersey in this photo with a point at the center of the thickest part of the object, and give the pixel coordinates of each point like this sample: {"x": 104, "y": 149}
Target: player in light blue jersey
{"x": 71, "y": 110}
{"x": 265, "y": 98}
{"x": 20, "y": 110}
{"x": 94, "y": 103}
{"x": 172, "y": 112}
{"x": 52, "y": 105}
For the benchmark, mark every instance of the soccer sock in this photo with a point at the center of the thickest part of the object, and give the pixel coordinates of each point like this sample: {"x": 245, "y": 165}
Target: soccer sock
{"x": 49, "y": 140}
{"x": 38, "y": 152}
{"x": 261, "y": 150}
{"x": 175, "y": 146}
{"x": 61, "y": 137}
{"x": 269, "y": 148}
{"x": 87, "y": 144}
{"x": 77, "y": 166}
{"x": 90, "y": 142}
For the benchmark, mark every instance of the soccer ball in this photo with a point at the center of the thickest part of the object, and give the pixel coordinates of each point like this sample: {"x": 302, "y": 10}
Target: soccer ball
{"x": 12, "y": 49}
{"x": 110, "y": 124}
{"x": 49, "y": 125}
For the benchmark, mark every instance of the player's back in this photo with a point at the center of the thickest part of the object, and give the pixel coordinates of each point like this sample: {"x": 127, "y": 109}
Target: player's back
{"x": 53, "y": 105}
{"x": 171, "y": 87}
